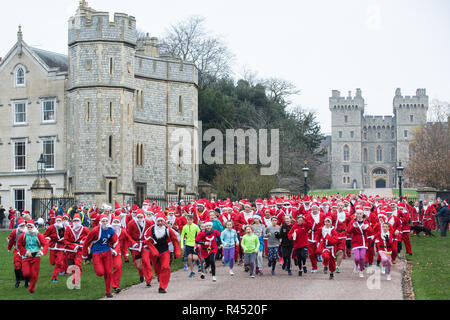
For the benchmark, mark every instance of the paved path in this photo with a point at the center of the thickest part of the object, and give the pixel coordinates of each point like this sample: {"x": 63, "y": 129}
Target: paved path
{"x": 382, "y": 192}
{"x": 346, "y": 285}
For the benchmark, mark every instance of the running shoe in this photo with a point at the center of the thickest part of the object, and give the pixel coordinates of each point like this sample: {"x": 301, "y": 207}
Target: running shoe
{"x": 273, "y": 272}
{"x": 338, "y": 270}
{"x": 325, "y": 270}
{"x": 313, "y": 271}
{"x": 191, "y": 274}
{"x": 252, "y": 276}
{"x": 289, "y": 273}
{"x": 186, "y": 267}
{"x": 231, "y": 272}
{"x": 361, "y": 274}
{"x": 331, "y": 276}
{"x": 305, "y": 270}
{"x": 214, "y": 279}
{"x": 388, "y": 277}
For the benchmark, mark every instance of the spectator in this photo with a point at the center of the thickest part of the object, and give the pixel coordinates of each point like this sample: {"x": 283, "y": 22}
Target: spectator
{"x": 60, "y": 211}
{"x": 443, "y": 214}
{"x": 2, "y": 216}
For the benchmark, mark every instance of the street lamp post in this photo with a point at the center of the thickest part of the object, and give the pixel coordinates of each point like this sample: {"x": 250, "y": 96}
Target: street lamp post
{"x": 400, "y": 176}
{"x": 305, "y": 176}
{"x": 41, "y": 166}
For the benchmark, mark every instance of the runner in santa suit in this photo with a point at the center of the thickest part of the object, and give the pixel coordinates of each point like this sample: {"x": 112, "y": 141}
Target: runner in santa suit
{"x": 299, "y": 234}
{"x": 340, "y": 220}
{"x": 125, "y": 241}
{"x": 32, "y": 245}
{"x": 104, "y": 242}
{"x": 245, "y": 218}
{"x": 305, "y": 208}
{"x": 17, "y": 258}
{"x": 136, "y": 228}
{"x": 328, "y": 239}
{"x": 416, "y": 215}
{"x": 74, "y": 237}
{"x": 394, "y": 221}
{"x": 12, "y": 217}
{"x": 208, "y": 248}
{"x": 55, "y": 236}
{"x": 280, "y": 211}
{"x": 316, "y": 219}
{"x": 406, "y": 227}
{"x": 227, "y": 214}
{"x": 372, "y": 220}
{"x": 359, "y": 230}
{"x": 384, "y": 241}
{"x": 157, "y": 239}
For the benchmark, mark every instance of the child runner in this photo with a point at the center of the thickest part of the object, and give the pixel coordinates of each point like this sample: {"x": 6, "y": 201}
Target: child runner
{"x": 286, "y": 244}
{"x": 328, "y": 240}
{"x": 229, "y": 240}
{"x": 259, "y": 230}
{"x": 208, "y": 248}
{"x": 299, "y": 234}
{"x": 273, "y": 234}
{"x": 384, "y": 241}
{"x": 188, "y": 235}
{"x": 250, "y": 247}
{"x": 359, "y": 230}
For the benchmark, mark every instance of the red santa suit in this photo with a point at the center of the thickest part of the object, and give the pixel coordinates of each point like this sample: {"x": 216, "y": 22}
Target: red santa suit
{"x": 328, "y": 239}
{"x": 137, "y": 232}
{"x": 359, "y": 234}
{"x": 316, "y": 222}
{"x": 102, "y": 261}
{"x": 340, "y": 221}
{"x": 245, "y": 219}
{"x": 428, "y": 216}
{"x": 17, "y": 258}
{"x": 406, "y": 227}
{"x": 73, "y": 244}
{"x": 395, "y": 223}
{"x": 31, "y": 265}
{"x": 55, "y": 236}
{"x": 416, "y": 216}
{"x": 125, "y": 241}
{"x": 157, "y": 239}
{"x": 12, "y": 218}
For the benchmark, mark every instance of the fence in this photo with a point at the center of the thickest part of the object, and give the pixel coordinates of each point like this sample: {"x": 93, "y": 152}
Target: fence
{"x": 165, "y": 201}
{"x": 410, "y": 194}
{"x": 40, "y": 207}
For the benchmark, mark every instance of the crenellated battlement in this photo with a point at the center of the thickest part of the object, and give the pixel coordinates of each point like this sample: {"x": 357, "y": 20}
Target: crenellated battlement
{"x": 419, "y": 101}
{"x": 91, "y": 25}
{"x": 340, "y": 103}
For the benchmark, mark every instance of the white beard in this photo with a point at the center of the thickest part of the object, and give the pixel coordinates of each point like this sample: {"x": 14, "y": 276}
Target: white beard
{"x": 58, "y": 225}
{"x": 105, "y": 226}
{"x": 117, "y": 228}
{"x": 33, "y": 231}
{"x": 160, "y": 232}
{"x": 326, "y": 231}
{"x": 316, "y": 217}
{"x": 66, "y": 223}
{"x": 325, "y": 209}
{"x": 248, "y": 215}
{"x": 140, "y": 222}
{"x": 76, "y": 226}
{"x": 341, "y": 216}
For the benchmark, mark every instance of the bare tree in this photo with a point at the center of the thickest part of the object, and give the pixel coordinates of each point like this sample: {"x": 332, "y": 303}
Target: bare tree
{"x": 279, "y": 90}
{"x": 190, "y": 41}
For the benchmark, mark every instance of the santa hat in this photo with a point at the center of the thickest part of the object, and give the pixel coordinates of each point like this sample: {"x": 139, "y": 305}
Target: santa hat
{"x": 116, "y": 218}
{"x": 103, "y": 217}
{"x": 314, "y": 205}
{"x": 58, "y": 218}
{"x": 247, "y": 204}
{"x": 306, "y": 199}
{"x": 367, "y": 205}
{"x": 161, "y": 216}
{"x": 383, "y": 216}
{"x": 140, "y": 212}
{"x": 208, "y": 223}
{"x": 256, "y": 216}
{"x": 333, "y": 205}
{"x": 117, "y": 206}
{"x": 134, "y": 208}
{"x": 259, "y": 201}
{"x": 76, "y": 216}
{"x": 359, "y": 209}
{"x": 328, "y": 219}
{"x": 66, "y": 216}
{"x": 30, "y": 222}
{"x": 20, "y": 222}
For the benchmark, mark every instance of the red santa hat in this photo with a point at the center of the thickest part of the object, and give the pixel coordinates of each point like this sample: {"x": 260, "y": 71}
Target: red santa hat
{"x": 383, "y": 216}
{"x": 140, "y": 212}
{"x": 134, "y": 208}
{"x": 359, "y": 209}
{"x": 116, "y": 218}
{"x": 329, "y": 219}
{"x": 161, "y": 216}
{"x": 76, "y": 217}
{"x": 117, "y": 207}
{"x": 306, "y": 199}
{"x": 66, "y": 216}
{"x": 259, "y": 201}
{"x": 334, "y": 204}
{"x": 367, "y": 205}
{"x": 58, "y": 218}
{"x": 247, "y": 204}
{"x": 314, "y": 205}
{"x": 20, "y": 222}
{"x": 103, "y": 217}
{"x": 30, "y": 222}
{"x": 208, "y": 223}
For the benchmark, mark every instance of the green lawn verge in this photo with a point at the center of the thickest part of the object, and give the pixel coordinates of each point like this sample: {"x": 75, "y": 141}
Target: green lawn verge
{"x": 92, "y": 287}
{"x": 431, "y": 265}
{"x": 331, "y": 192}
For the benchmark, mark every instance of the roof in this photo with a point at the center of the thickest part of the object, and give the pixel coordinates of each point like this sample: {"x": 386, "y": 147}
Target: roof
{"x": 53, "y": 60}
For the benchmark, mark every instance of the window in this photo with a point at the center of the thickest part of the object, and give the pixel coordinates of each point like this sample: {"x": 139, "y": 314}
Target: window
{"x": 180, "y": 104}
{"x": 19, "y": 199}
{"x": 110, "y": 191}
{"x": 365, "y": 154}
{"x": 346, "y": 153}
{"x": 340, "y": 134}
{"x": 19, "y": 155}
{"x": 111, "y": 66}
{"x": 110, "y": 111}
{"x": 154, "y": 65}
{"x": 393, "y": 154}
{"x": 410, "y": 153}
{"x": 139, "y": 154}
{"x": 48, "y": 150}
{"x": 379, "y": 154}
{"x": 346, "y": 169}
{"x": 352, "y": 134}
{"x": 365, "y": 135}
{"x": 110, "y": 141}
{"x": 405, "y": 133}
{"x": 365, "y": 170}
{"x": 48, "y": 111}
{"x": 20, "y": 77}
{"x": 88, "y": 112}
{"x": 378, "y": 135}
{"x": 392, "y": 135}
{"x": 379, "y": 171}
{"x": 344, "y": 180}
{"x": 411, "y": 118}
{"x": 20, "y": 113}
{"x": 180, "y": 158}
{"x": 142, "y": 155}
{"x": 346, "y": 119}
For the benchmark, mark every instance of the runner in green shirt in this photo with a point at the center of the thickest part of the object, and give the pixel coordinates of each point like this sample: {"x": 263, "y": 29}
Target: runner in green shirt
{"x": 188, "y": 235}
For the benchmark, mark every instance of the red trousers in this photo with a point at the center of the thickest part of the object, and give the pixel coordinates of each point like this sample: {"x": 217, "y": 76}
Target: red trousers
{"x": 11, "y": 223}
{"x": 394, "y": 250}
{"x": 328, "y": 260}
{"x": 124, "y": 252}
{"x": 312, "y": 248}
{"x": 116, "y": 274}
{"x": 103, "y": 263}
{"x": 76, "y": 258}
{"x": 30, "y": 270}
{"x": 57, "y": 259}
{"x": 146, "y": 270}
{"x": 161, "y": 263}
{"x": 17, "y": 260}
{"x": 407, "y": 241}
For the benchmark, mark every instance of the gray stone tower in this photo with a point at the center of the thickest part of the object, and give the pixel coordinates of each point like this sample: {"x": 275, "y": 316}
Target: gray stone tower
{"x": 346, "y": 121}
{"x": 409, "y": 113}
{"x": 100, "y": 106}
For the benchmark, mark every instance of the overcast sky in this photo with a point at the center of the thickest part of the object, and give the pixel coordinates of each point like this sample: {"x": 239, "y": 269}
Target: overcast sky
{"x": 318, "y": 45}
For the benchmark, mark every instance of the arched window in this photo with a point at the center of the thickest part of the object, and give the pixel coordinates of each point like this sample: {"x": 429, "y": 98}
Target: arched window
{"x": 110, "y": 141}
{"x": 20, "y": 77}
{"x": 379, "y": 154}
{"x": 379, "y": 171}
{"x": 110, "y": 188}
{"x": 346, "y": 153}
{"x": 393, "y": 155}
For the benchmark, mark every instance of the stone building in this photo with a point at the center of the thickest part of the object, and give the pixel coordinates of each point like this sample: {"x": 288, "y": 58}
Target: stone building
{"x": 107, "y": 117}
{"x": 365, "y": 150}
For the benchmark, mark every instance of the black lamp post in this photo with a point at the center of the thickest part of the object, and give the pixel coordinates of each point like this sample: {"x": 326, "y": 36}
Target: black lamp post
{"x": 305, "y": 176}
{"x": 400, "y": 176}
{"x": 41, "y": 166}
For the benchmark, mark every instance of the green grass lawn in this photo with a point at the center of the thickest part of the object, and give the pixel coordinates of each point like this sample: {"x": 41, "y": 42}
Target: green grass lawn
{"x": 431, "y": 266}
{"x": 410, "y": 194}
{"x": 331, "y": 192}
{"x": 92, "y": 287}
